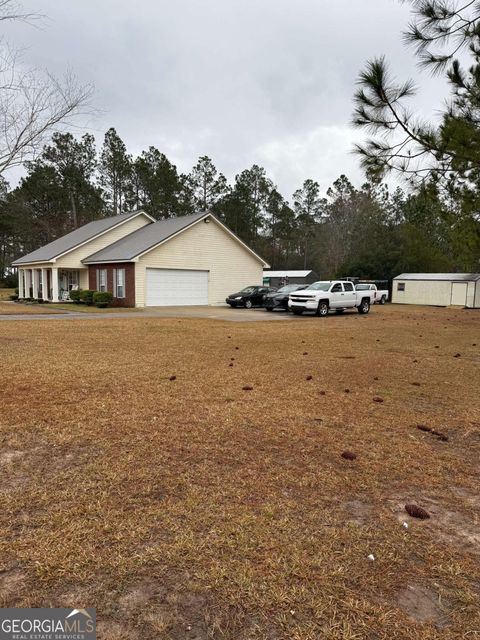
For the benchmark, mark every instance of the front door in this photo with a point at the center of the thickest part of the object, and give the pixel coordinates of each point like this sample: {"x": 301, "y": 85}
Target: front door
{"x": 349, "y": 297}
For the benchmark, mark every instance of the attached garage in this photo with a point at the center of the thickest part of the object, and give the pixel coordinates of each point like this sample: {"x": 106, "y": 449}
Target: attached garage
{"x": 437, "y": 289}
{"x": 189, "y": 260}
{"x": 170, "y": 287}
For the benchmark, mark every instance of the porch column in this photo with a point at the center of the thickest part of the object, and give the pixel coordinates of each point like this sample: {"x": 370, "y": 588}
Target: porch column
{"x": 35, "y": 283}
{"x": 28, "y": 282}
{"x": 44, "y": 284}
{"x": 54, "y": 284}
{"x": 21, "y": 283}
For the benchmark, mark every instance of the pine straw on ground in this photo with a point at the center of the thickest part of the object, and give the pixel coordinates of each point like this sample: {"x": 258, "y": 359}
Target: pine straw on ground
{"x": 190, "y": 508}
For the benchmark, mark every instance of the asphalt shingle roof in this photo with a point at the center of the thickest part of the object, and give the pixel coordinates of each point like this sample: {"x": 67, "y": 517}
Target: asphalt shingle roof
{"x": 74, "y": 238}
{"x": 139, "y": 241}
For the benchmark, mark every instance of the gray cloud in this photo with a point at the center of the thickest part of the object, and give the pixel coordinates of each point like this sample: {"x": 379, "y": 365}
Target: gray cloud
{"x": 243, "y": 81}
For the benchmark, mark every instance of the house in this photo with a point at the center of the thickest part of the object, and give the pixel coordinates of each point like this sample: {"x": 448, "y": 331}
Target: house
{"x": 438, "y": 289}
{"x": 189, "y": 260}
{"x": 281, "y": 277}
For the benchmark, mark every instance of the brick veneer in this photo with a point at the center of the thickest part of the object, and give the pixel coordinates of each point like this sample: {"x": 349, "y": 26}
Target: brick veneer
{"x": 129, "y": 300}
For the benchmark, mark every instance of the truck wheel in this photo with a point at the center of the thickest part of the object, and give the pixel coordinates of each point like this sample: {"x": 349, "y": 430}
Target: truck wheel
{"x": 322, "y": 310}
{"x": 297, "y": 312}
{"x": 364, "y": 306}
{"x": 383, "y": 300}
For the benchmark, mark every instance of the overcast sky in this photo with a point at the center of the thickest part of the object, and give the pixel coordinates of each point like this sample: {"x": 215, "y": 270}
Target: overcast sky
{"x": 242, "y": 81}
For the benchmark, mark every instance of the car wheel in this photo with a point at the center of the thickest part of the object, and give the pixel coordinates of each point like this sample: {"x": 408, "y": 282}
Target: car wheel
{"x": 248, "y": 304}
{"x": 364, "y": 307}
{"x": 383, "y": 300}
{"x": 322, "y": 310}
{"x": 297, "y": 312}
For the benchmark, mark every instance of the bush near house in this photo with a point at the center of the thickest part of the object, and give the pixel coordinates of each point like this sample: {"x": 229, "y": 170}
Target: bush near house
{"x": 86, "y": 296}
{"x": 102, "y": 299}
{"x": 75, "y": 295}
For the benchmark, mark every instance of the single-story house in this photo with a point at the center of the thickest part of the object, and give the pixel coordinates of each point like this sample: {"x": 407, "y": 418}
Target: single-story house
{"x": 438, "y": 289}
{"x": 280, "y": 277}
{"x": 189, "y": 260}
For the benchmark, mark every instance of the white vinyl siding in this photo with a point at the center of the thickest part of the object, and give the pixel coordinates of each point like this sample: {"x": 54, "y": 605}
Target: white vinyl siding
{"x": 166, "y": 287}
{"x": 203, "y": 247}
{"x": 72, "y": 260}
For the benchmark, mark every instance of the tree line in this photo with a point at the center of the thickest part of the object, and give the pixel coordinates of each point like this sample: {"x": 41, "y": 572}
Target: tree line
{"x": 372, "y": 231}
{"x": 369, "y": 232}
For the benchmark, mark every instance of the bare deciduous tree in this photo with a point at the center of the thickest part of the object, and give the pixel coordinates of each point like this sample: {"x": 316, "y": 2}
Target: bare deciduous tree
{"x": 33, "y": 103}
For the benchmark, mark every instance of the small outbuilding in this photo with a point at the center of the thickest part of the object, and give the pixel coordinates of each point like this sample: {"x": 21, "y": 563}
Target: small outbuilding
{"x": 280, "y": 278}
{"x": 437, "y": 289}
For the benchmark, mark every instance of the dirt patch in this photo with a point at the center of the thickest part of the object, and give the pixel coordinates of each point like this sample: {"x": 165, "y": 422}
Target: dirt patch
{"x": 9, "y": 457}
{"x": 11, "y": 586}
{"x": 447, "y": 522}
{"x": 423, "y": 605}
{"x": 358, "y": 512}
{"x": 139, "y": 595}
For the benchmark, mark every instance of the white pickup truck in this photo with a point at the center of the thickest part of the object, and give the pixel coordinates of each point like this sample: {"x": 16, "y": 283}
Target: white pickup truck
{"x": 380, "y": 295}
{"x": 330, "y": 295}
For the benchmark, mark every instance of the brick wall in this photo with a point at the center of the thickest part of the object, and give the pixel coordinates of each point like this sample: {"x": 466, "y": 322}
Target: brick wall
{"x": 129, "y": 300}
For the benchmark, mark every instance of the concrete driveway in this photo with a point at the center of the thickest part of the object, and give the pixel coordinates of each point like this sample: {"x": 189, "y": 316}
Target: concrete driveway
{"x": 213, "y": 313}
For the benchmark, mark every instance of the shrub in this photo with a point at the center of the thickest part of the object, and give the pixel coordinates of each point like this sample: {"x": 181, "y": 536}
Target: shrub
{"x": 86, "y": 296}
{"x": 14, "y": 297}
{"x": 102, "y": 299}
{"x": 75, "y": 295}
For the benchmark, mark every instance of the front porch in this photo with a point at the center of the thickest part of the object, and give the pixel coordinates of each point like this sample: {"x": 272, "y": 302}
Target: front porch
{"x": 50, "y": 284}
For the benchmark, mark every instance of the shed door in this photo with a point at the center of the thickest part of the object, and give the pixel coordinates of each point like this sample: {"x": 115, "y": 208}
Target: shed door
{"x": 459, "y": 293}
{"x": 166, "y": 287}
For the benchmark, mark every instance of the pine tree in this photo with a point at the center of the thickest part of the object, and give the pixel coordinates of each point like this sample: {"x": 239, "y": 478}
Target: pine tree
{"x": 115, "y": 168}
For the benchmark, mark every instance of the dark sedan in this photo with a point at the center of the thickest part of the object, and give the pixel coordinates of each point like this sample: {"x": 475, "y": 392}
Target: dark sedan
{"x": 279, "y": 299}
{"x": 248, "y": 297}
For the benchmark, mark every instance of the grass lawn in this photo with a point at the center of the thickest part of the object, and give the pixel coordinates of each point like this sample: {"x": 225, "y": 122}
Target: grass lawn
{"x": 5, "y": 294}
{"x": 10, "y": 308}
{"x": 191, "y": 508}
{"x": 15, "y": 308}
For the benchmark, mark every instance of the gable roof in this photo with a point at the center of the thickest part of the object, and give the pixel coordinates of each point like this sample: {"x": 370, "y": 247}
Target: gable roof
{"x": 76, "y": 238}
{"x": 147, "y": 238}
{"x": 464, "y": 277}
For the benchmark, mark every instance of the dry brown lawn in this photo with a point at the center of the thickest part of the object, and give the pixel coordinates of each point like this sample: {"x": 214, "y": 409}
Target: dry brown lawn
{"x": 21, "y": 309}
{"x": 190, "y": 508}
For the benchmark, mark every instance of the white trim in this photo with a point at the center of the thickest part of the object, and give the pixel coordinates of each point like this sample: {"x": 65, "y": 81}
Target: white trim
{"x": 54, "y": 284}
{"x": 192, "y": 224}
{"x": 99, "y": 235}
{"x": 81, "y": 244}
{"x": 21, "y": 283}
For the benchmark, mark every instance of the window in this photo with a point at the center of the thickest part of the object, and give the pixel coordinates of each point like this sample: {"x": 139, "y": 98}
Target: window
{"x": 337, "y": 288}
{"x": 119, "y": 283}
{"x": 400, "y": 286}
{"x": 101, "y": 279}
{"x": 348, "y": 286}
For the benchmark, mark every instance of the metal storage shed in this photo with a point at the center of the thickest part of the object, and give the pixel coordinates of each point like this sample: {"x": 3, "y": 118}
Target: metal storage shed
{"x": 437, "y": 289}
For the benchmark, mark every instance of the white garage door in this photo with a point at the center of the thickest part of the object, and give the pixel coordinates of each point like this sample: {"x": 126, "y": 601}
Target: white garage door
{"x": 166, "y": 287}
{"x": 459, "y": 293}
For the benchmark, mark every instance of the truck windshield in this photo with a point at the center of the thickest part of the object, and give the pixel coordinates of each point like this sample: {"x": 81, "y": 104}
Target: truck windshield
{"x": 320, "y": 286}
